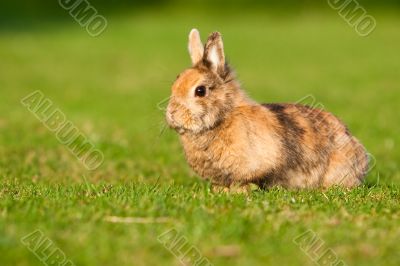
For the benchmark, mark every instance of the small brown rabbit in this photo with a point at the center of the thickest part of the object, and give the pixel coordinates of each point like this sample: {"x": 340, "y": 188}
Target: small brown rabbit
{"x": 234, "y": 141}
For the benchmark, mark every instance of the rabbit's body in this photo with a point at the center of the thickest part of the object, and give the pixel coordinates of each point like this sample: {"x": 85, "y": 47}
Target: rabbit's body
{"x": 277, "y": 144}
{"x": 231, "y": 140}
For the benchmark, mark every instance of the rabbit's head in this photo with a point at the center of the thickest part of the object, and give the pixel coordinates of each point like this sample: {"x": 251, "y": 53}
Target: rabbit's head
{"x": 203, "y": 95}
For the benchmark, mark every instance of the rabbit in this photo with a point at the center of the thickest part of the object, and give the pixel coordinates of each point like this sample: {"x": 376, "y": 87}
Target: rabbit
{"x": 234, "y": 142}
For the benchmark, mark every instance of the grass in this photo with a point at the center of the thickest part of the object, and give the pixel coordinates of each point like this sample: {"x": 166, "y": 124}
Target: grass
{"x": 112, "y": 88}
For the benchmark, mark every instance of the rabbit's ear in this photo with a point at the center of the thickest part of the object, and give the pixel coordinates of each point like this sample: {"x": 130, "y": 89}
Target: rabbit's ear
{"x": 214, "y": 53}
{"x": 196, "y": 48}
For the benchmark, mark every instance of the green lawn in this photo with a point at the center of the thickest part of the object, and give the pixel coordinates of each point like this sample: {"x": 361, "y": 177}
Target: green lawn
{"x": 113, "y": 88}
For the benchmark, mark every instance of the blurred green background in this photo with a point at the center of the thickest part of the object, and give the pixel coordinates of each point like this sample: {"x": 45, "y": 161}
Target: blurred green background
{"x": 114, "y": 88}
{"x": 40, "y": 10}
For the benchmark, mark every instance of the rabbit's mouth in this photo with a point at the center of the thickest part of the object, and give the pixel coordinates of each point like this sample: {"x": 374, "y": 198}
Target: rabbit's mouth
{"x": 173, "y": 125}
{"x": 183, "y": 129}
{"x": 191, "y": 124}
{"x": 180, "y": 130}
{"x": 183, "y": 124}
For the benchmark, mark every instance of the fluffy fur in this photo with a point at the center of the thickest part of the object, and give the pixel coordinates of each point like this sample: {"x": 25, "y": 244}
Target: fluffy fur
{"x": 233, "y": 141}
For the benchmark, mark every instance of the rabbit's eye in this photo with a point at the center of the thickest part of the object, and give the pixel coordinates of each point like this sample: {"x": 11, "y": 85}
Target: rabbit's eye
{"x": 200, "y": 91}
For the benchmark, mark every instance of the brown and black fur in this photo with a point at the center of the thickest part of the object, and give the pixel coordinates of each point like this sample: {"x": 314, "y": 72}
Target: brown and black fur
{"x": 234, "y": 141}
